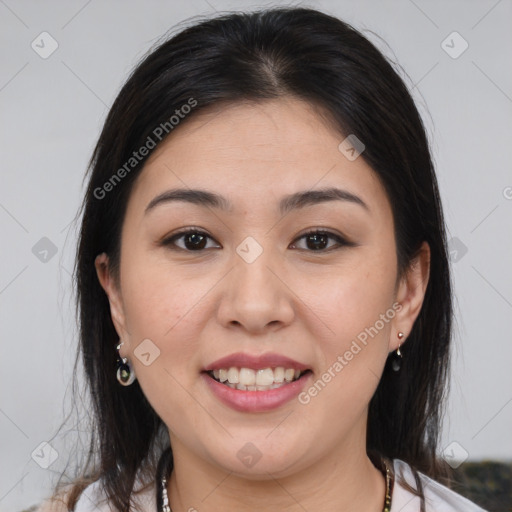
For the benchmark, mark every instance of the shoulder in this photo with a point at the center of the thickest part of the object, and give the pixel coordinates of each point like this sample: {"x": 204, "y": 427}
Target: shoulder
{"x": 438, "y": 498}
{"x": 90, "y": 501}
{"x": 55, "y": 503}
{"x": 52, "y": 505}
{"x": 94, "y": 499}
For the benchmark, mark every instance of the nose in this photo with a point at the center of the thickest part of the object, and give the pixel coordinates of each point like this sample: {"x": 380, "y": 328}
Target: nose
{"x": 255, "y": 297}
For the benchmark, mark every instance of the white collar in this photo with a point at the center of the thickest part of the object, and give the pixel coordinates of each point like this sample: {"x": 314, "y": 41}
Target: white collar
{"x": 438, "y": 498}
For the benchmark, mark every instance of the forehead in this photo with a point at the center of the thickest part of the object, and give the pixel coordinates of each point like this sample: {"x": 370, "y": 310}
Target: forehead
{"x": 257, "y": 151}
{"x": 283, "y": 127}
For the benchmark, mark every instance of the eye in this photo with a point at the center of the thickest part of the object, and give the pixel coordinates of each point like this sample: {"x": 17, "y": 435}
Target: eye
{"x": 193, "y": 240}
{"x": 318, "y": 241}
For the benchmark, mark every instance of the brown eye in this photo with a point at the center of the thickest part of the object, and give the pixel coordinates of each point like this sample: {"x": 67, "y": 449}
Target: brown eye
{"x": 192, "y": 240}
{"x": 318, "y": 241}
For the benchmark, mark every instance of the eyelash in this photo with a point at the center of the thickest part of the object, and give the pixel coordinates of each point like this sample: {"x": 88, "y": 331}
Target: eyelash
{"x": 170, "y": 242}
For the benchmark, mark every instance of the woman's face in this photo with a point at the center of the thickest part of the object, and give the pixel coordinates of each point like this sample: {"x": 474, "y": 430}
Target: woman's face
{"x": 250, "y": 290}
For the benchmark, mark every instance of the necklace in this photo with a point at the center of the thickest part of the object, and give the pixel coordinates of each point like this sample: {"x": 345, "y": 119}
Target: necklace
{"x": 165, "y": 507}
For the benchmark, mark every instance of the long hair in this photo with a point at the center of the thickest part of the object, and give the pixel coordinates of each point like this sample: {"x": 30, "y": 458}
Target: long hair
{"x": 257, "y": 56}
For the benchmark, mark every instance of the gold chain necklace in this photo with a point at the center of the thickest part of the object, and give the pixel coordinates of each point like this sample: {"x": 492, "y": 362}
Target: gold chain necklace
{"x": 165, "y": 507}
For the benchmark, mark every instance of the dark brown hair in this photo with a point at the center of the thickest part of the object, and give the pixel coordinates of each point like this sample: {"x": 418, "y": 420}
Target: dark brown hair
{"x": 257, "y": 56}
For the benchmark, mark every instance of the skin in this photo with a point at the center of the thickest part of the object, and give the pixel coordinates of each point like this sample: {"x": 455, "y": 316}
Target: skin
{"x": 308, "y": 305}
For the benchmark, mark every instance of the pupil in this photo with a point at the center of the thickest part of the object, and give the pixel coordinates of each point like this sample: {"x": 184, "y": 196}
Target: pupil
{"x": 314, "y": 239}
{"x": 196, "y": 239}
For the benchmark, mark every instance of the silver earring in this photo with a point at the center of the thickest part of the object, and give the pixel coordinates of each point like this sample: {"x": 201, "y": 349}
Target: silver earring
{"x": 125, "y": 373}
{"x": 396, "y": 363}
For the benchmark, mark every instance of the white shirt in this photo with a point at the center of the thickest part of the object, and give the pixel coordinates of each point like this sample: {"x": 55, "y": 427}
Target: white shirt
{"x": 438, "y": 498}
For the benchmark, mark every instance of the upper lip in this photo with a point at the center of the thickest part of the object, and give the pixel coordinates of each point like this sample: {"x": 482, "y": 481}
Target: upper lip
{"x": 256, "y": 362}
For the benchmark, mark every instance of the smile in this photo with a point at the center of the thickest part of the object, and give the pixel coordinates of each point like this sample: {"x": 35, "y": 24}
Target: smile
{"x": 248, "y": 379}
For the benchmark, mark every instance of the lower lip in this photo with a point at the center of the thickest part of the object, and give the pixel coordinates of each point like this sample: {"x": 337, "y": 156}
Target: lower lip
{"x": 256, "y": 401}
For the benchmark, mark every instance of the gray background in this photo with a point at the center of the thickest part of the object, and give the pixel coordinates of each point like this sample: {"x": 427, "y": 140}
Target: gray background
{"x": 51, "y": 113}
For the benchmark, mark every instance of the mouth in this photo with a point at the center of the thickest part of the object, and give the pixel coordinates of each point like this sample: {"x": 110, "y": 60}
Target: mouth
{"x": 256, "y": 383}
{"x": 263, "y": 379}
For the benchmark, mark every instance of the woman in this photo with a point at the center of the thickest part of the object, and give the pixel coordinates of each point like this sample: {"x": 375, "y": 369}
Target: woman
{"x": 263, "y": 283}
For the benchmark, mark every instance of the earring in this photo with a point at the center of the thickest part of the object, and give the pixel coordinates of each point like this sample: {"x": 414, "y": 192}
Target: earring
{"x": 397, "y": 356}
{"x": 125, "y": 374}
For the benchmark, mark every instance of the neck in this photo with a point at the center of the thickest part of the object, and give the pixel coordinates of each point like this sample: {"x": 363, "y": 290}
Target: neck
{"x": 342, "y": 480}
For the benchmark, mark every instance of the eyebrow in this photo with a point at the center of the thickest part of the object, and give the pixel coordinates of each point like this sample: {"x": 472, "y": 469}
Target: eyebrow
{"x": 291, "y": 202}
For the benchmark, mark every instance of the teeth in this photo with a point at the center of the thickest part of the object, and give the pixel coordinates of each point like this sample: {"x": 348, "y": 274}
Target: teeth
{"x": 279, "y": 374}
{"x": 264, "y": 377}
{"x": 233, "y": 375}
{"x": 247, "y": 379}
{"x": 247, "y": 376}
{"x": 289, "y": 374}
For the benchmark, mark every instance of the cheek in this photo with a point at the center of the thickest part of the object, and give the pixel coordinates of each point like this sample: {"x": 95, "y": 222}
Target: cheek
{"x": 358, "y": 309}
{"x": 157, "y": 295}
{"x": 356, "y": 304}
{"x": 358, "y": 293}
{"x": 162, "y": 307}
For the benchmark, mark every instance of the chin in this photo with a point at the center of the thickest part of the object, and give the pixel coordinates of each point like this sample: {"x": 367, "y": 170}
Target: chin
{"x": 261, "y": 458}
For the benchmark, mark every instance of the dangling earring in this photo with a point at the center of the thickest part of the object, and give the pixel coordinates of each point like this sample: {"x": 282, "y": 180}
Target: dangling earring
{"x": 396, "y": 362}
{"x": 125, "y": 373}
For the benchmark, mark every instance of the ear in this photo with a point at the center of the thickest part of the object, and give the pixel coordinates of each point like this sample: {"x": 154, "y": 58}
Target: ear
{"x": 113, "y": 293}
{"x": 410, "y": 294}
